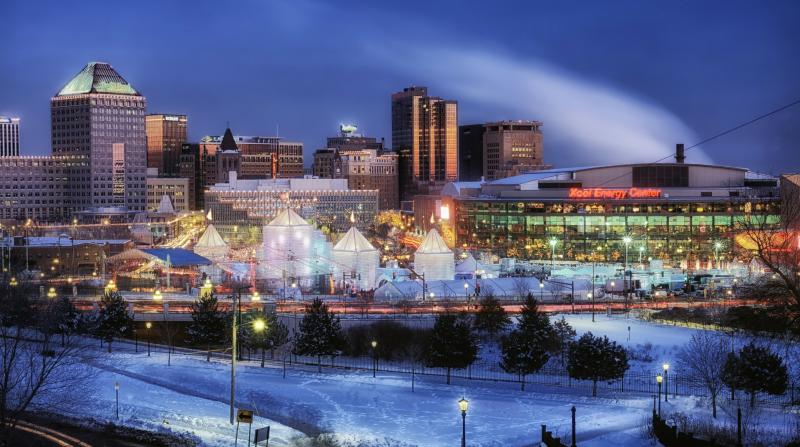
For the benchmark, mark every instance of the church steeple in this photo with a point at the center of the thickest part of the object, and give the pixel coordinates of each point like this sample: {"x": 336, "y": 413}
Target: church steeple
{"x": 228, "y": 143}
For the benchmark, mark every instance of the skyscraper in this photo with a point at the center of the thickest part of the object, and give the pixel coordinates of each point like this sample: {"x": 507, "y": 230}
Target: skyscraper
{"x": 98, "y": 114}
{"x": 165, "y": 136}
{"x": 425, "y": 135}
{"x": 9, "y": 137}
{"x": 511, "y": 148}
{"x": 470, "y": 152}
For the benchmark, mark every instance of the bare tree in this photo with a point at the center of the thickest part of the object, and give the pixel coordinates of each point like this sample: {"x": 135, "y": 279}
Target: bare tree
{"x": 704, "y": 358}
{"x": 770, "y": 236}
{"x": 34, "y": 371}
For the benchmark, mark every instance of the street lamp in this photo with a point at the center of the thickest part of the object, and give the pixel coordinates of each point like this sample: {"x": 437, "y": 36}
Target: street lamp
{"x": 666, "y": 381}
{"x": 51, "y": 293}
{"x": 255, "y": 297}
{"x": 157, "y": 295}
{"x": 553, "y": 243}
{"x": 148, "y": 325}
{"x": 116, "y": 391}
{"x": 111, "y": 286}
{"x": 659, "y": 379}
{"x": 374, "y": 357}
{"x": 466, "y": 291}
{"x": 13, "y": 282}
{"x": 591, "y": 297}
{"x": 259, "y": 325}
{"x": 463, "y": 405}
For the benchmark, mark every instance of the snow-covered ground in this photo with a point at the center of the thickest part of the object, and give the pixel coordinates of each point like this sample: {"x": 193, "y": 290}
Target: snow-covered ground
{"x": 191, "y": 395}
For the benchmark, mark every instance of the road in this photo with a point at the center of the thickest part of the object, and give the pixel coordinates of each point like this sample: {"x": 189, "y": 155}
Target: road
{"x": 50, "y": 436}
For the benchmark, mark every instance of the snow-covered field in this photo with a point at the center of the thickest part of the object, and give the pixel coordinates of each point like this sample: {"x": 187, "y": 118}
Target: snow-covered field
{"x": 190, "y": 395}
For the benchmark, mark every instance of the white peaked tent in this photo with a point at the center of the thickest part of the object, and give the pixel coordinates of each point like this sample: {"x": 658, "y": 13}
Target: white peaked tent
{"x": 211, "y": 245}
{"x": 468, "y": 265}
{"x": 292, "y": 246}
{"x": 165, "y": 207}
{"x": 355, "y": 256}
{"x": 434, "y": 258}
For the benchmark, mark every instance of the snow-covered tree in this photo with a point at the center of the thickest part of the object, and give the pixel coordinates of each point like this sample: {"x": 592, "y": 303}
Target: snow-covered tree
{"x": 273, "y": 335}
{"x": 523, "y": 354}
{"x": 703, "y": 357}
{"x": 755, "y": 369}
{"x": 452, "y": 344}
{"x": 491, "y": 317}
{"x": 596, "y": 358}
{"x": 208, "y": 324}
{"x": 563, "y": 334}
{"x": 113, "y": 319}
{"x": 320, "y": 333}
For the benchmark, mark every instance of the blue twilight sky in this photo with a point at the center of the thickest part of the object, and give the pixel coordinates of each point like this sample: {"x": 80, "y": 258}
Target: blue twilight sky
{"x": 613, "y": 81}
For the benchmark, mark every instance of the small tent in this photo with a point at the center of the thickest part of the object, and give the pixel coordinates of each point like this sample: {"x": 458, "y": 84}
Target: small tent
{"x": 211, "y": 245}
{"x": 355, "y": 260}
{"x": 434, "y": 259}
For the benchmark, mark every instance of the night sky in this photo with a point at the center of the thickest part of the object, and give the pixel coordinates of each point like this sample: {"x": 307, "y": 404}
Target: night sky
{"x": 613, "y": 81}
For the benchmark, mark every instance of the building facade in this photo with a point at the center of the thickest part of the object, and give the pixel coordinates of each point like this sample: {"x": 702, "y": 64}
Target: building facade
{"x": 240, "y": 208}
{"x": 176, "y": 188}
{"x": 99, "y": 115}
{"x": 166, "y": 134}
{"x": 190, "y": 168}
{"x": 511, "y": 148}
{"x": 285, "y": 157}
{"x": 470, "y": 152}
{"x": 9, "y": 136}
{"x": 39, "y": 188}
{"x": 680, "y": 213}
{"x": 425, "y": 136}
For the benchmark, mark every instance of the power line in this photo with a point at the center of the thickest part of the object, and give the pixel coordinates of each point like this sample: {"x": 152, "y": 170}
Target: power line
{"x": 723, "y": 133}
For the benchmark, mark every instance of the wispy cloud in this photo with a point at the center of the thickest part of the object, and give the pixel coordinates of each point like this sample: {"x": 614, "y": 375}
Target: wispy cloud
{"x": 589, "y": 121}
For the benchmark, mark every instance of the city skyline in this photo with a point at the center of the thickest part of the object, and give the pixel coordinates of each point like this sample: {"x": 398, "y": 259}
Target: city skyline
{"x": 289, "y": 67}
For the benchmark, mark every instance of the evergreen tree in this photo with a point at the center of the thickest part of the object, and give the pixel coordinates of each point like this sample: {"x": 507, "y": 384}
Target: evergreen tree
{"x": 452, "y": 344}
{"x": 67, "y": 318}
{"x": 491, "y": 317}
{"x": 274, "y": 334}
{"x": 320, "y": 333}
{"x": 113, "y": 320}
{"x": 755, "y": 369}
{"x": 527, "y": 349}
{"x": 564, "y": 334}
{"x": 596, "y": 358}
{"x": 208, "y": 324}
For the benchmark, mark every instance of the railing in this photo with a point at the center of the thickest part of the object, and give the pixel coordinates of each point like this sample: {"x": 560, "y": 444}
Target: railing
{"x": 671, "y": 437}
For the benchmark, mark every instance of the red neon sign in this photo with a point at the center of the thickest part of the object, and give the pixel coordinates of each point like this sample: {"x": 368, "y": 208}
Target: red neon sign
{"x": 614, "y": 194}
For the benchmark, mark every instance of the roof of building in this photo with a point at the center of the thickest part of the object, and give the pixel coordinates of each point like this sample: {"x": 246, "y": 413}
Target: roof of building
{"x": 65, "y": 241}
{"x": 287, "y": 218}
{"x": 97, "y": 77}
{"x": 228, "y": 143}
{"x": 354, "y": 241}
{"x": 210, "y": 239}
{"x": 433, "y": 243}
{"x": 178, "y": 257}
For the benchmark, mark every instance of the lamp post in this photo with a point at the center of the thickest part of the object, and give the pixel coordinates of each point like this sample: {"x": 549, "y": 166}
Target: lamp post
{"x": 553, "y": 243}
{"x": 590, "y": 295}
{"x": 148, "y": 325}
{"x": 116, "y": 391}
{"x": 659, "y": 379}
{"x": 541, "y": 290}
{"x": 374, "y": 358}
{"x": 666, "y": 381}
{"x": 463, "y": 405}
{"x": 466, "y": 292}
{"x": 258, "y": 326}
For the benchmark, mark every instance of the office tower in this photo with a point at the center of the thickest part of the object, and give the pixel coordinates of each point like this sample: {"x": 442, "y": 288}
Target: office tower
{"x": 190, "y": 167}
{"x": 176, "y": 188}
{"x": 470, "y": 152}
{"x": 9, "y": 136}
{"x": 165, "y": 136}
{"x": 425, "y": 136}
{"x": 511, "y": 148}
{"x": 98, "y": 114}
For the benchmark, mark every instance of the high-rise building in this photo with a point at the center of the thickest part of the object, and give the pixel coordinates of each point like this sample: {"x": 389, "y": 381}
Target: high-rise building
{"x": 176, "y": 188}
{"x": 425, "y": 136}
{"x": 98, "y": 114}
{"x": 9, "y": 136}
{"x": 511, "y": 148}
{"x": 191, "y": 168}
{"x": 470, "y": 152}
{"x": 165, "y": 136}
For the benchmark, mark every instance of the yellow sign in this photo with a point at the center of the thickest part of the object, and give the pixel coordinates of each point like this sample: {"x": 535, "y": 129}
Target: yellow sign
{"x": 244, "y": 416}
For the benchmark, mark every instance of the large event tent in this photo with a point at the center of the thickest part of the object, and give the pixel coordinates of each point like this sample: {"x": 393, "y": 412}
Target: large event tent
{"x": 355, "y": 260}
{"x": 434, "y": 259}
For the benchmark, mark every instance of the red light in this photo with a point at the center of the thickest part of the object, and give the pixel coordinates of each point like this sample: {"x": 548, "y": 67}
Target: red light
{"x": 614, "y": 194}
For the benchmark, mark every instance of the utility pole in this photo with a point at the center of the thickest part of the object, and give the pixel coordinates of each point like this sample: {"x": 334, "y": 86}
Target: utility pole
{"x": 233, "y": 357}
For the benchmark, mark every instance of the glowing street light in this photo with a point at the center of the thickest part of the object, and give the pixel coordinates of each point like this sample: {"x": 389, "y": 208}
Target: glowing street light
{"x": 666, "y": 381}
{"x": 259, "y": 325}
{"x": 374, "y": 344}
{"x": 157, "y": 295}
{"x": 463, "y": 405}
{"x": 147, "y": 326}
{"x": 51, "y": 293}
{"x": 255, "y": 297}
{"x": 13, "y": 282}
{"x": 111, "y": 286}
{"x": 659, "y": 379}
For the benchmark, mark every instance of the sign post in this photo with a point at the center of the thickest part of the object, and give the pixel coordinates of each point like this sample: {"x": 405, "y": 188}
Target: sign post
{"x": 246, "y": 417}
{"x": 262, "y": 434}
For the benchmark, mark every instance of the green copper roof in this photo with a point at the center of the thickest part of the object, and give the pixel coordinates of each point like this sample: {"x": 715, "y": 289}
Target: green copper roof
{"x": 97, "y": 77}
